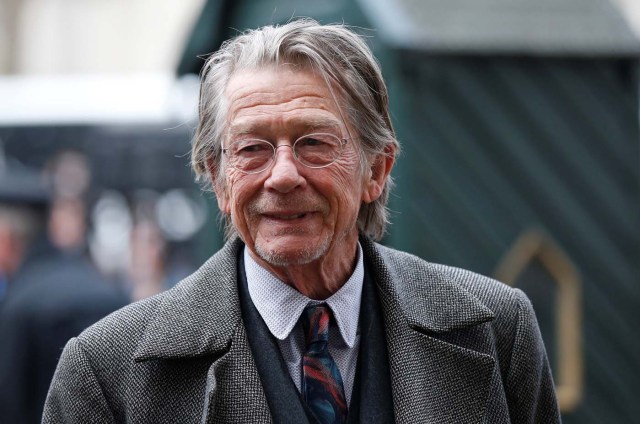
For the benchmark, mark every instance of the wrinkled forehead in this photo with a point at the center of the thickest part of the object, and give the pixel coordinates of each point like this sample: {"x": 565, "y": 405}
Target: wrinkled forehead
{"x": 323, "y": 81}
{"x": 257, "y": 95}
{"x": 242, "y": 127}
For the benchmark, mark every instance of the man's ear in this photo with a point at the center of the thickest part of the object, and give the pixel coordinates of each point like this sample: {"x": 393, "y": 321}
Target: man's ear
{"x": 221, "y": 193}
{"x": 379, "y": 172}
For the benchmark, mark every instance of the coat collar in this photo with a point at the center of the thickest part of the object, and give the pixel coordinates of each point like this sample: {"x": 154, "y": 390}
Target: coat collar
{"x": 199, "y": 316}
{"x": 428, "y": 299}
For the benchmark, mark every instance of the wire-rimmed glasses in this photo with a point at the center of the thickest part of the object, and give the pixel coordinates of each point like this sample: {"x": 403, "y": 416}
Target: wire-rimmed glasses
{"x": 254, "y": 155}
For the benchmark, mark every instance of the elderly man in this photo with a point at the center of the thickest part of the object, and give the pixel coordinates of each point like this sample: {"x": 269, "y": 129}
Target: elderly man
{"x": 302, "y": 317}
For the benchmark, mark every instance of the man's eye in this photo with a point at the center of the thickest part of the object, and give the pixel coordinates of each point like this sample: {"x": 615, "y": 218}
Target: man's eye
{"x": 254, "y": 148}
{"x": 318, "y": 141}
{"x": 251, "y": 147}
{"x": 310, "y": 141}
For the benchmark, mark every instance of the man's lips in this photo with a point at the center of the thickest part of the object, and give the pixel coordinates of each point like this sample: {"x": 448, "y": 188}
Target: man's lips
{"x": 286, "y": 216}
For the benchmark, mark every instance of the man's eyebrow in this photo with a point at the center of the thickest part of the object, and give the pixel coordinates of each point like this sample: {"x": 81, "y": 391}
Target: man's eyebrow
{"x": 242, "y": 129}
{"x": 322, "y": 122}
{"x": 308, "y": 123}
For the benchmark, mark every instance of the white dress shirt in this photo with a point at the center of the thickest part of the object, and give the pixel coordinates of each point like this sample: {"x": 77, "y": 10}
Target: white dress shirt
{"x": 280, "y": 306}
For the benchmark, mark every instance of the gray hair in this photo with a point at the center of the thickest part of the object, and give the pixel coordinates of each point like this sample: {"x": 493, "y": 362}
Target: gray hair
{"x": 341, "y": 57}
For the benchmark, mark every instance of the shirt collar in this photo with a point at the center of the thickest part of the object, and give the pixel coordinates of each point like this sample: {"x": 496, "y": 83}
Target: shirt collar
{"x": 280, "y": 305}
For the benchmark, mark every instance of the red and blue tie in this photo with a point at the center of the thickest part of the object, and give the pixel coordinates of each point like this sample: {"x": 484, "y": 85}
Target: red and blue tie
{"x": 322, "y": 387}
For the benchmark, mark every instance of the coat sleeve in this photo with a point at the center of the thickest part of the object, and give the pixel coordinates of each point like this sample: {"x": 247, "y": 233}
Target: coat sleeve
{"x": 530, "y": 390}
{"x": 75, "y": 395}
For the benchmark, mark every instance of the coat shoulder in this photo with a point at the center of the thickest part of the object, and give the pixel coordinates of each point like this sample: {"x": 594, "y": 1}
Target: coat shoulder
{"x": 121, "y": 327}
{"x": 206, "y": 288}
{"x": 134, "y": 359}
{"x": 489, "y": 291}
{"x": 415, "y": 278}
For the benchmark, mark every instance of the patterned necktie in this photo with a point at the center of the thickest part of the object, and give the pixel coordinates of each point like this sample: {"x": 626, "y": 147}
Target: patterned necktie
{"x": 321, "y": 383}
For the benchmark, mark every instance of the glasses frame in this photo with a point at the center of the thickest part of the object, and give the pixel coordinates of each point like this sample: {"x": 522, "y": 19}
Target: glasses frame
{"x": 343, "y": 141}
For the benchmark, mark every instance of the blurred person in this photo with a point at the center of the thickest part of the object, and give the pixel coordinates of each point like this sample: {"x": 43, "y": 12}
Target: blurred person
{"x": 23, "y": 201}
{"x": 68, "y": 174}
{"x": 148, "y": 248}
{"x": 54, "y": 295}
{"x": 302, "y": 316}
{"x": 18, "y": 225}
{"x": 67, "y": 225}
{"x": 147, "y": 260}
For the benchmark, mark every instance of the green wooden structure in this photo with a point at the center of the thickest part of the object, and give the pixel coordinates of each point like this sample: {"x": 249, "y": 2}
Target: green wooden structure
{"x": 519, "y": 124}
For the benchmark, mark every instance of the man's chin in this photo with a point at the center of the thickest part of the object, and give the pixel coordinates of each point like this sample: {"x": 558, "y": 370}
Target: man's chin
{"x": 288, "y": 256}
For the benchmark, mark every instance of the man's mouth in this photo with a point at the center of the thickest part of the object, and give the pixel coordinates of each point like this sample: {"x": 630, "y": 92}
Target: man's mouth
{"x": 286, "y": 216}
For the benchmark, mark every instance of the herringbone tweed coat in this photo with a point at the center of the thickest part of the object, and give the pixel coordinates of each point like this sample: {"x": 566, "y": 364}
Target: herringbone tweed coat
{"x": 462, "y": 349}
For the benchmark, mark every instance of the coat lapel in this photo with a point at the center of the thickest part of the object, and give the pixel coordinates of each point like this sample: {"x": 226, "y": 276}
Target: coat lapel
{"x": 434, "y": 379}
{"x": 201, "y": 317}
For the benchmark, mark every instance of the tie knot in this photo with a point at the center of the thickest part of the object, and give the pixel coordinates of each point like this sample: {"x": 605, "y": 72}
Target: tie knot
{"x": 315, "y": 323}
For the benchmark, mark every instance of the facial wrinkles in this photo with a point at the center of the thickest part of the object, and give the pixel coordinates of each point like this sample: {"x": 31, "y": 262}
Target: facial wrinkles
{"x": 280, "y": 112}
{"x": 267, "y": 121}
{"x": 242, "y": 100}
{"x": 305, "y": 201}
{"x": 297, "y": 201}
{"x": 268, "y": 104}
{"x": 274, "y": 204}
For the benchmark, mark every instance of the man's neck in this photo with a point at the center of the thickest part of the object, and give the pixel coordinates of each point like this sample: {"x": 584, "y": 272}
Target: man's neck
{"x": 318, "y": 279}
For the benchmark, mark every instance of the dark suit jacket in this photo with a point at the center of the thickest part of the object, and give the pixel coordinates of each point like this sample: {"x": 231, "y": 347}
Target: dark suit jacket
{"x": 462, "y": 349}
{"x": 54, "y": 298}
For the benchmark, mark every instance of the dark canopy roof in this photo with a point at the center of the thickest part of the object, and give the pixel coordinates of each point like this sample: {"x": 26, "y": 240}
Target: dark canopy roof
{"x": 530, "y": 27}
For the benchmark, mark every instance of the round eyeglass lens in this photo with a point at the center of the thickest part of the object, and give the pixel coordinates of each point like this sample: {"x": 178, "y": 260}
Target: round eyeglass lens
{"x": 251, "y": 155}
{"x": 318, "y": 150}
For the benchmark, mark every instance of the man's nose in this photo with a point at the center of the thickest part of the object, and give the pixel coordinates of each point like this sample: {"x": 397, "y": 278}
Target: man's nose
{"x": 284, "y": 175}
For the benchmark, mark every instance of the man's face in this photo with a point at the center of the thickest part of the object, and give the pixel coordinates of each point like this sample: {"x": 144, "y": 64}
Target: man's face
{"x": 290, "y": 214}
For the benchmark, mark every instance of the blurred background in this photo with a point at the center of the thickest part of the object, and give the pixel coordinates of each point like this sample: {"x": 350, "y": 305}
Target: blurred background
{"x": 519, "y": 124}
